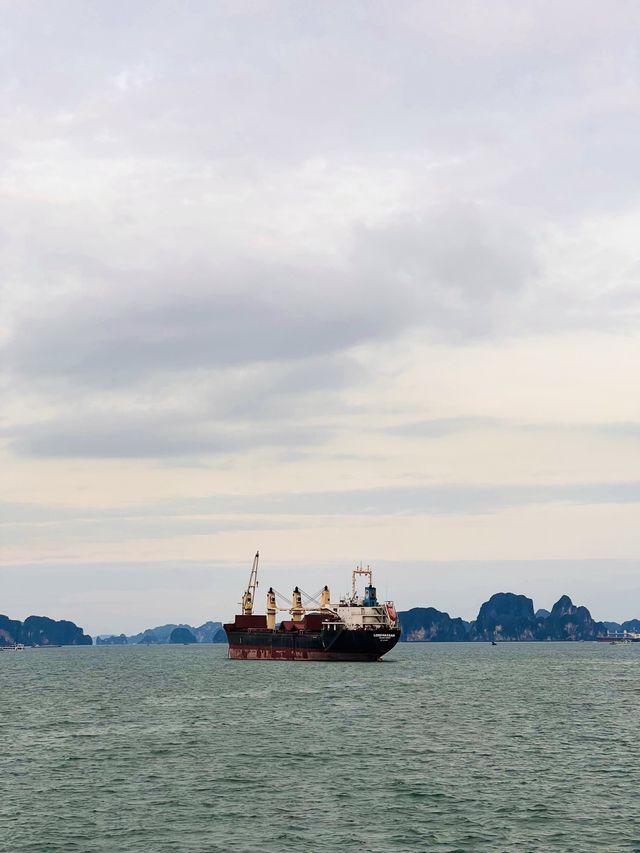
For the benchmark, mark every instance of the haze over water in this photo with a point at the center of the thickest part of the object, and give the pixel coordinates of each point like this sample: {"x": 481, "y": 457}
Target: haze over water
{"x": 443, "y": 748}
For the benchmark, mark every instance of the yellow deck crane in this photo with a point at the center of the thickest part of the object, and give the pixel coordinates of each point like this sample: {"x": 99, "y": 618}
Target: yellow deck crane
{"x": 250, "y": 595}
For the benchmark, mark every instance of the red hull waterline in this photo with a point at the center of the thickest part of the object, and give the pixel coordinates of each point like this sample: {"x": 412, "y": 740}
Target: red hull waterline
{"x": 249, "y": 653}
{"x": 300, "y": 644}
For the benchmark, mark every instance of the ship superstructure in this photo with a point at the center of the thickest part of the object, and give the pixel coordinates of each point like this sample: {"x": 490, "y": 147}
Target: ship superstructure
{"x": 355, "y": 628}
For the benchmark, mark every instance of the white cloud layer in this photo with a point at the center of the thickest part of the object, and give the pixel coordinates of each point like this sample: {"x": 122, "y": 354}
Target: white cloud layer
{"x": 253, "y": 249}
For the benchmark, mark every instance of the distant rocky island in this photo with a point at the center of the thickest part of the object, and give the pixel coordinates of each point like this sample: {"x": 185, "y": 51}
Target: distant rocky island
{"x": 41, "y": 631}
{"x": 507, "y": 616}
{"x": 165, "y": 634}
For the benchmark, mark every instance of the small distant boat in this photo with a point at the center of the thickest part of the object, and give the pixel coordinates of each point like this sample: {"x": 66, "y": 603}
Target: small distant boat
{"x": 615, "y": 638}
{"x": 493, "y": 643}
{"x": 16, "y": 647}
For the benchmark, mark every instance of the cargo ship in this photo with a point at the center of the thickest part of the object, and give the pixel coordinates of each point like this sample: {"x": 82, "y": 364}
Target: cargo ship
{"x": 356, "y": 628}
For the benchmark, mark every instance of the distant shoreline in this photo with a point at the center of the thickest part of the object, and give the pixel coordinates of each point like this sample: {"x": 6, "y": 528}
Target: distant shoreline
{"x": 505, "y": 617}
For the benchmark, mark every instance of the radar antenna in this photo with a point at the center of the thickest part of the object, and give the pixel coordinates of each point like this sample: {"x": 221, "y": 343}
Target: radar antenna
{"x": 249, "y": 596}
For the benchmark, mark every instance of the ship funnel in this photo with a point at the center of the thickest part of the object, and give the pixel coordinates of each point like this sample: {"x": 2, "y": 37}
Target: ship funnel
{"x": 325, "y": 597}
{"x": 370, "y": 597}
{"x": 297, "y": 610}
{"x": 271, "y": 609}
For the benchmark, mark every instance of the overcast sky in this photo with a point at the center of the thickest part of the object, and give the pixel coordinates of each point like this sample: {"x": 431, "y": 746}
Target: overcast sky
{"x": 341, "y": 281}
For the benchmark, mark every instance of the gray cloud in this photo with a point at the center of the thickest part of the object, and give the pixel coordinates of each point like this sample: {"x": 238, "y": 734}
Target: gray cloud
{"x": 418, "y": 500}
{"x": 444, "y": 270}
{"x": 442, "y": 427}
{"x": 153, "y": 329}
{"x": 216, "y": 218}
{"x": 273, "y": 405}
{"x": 153, "y": 435}
{"x": 194, "y": 192}
{"x": 438, "y": 499}
{"x": 283, "y": 79}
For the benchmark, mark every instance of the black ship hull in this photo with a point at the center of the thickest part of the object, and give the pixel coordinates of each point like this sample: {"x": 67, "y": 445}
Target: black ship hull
{"x": 331, "y": 644}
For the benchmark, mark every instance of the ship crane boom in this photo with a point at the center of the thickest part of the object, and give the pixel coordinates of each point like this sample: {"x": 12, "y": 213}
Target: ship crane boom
{"x": 250, "y": 595}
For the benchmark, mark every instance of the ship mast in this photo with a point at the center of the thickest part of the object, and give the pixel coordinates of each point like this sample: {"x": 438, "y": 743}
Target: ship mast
{"x": 360, "y": 570}
{"x": 249, "y": 596}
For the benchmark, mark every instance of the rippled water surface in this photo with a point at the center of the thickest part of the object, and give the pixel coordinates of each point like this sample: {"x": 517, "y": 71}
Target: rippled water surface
{"x": 521, "y": 747}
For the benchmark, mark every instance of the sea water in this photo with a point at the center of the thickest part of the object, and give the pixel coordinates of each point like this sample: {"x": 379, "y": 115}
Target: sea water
{"x": 441, "y": 747}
